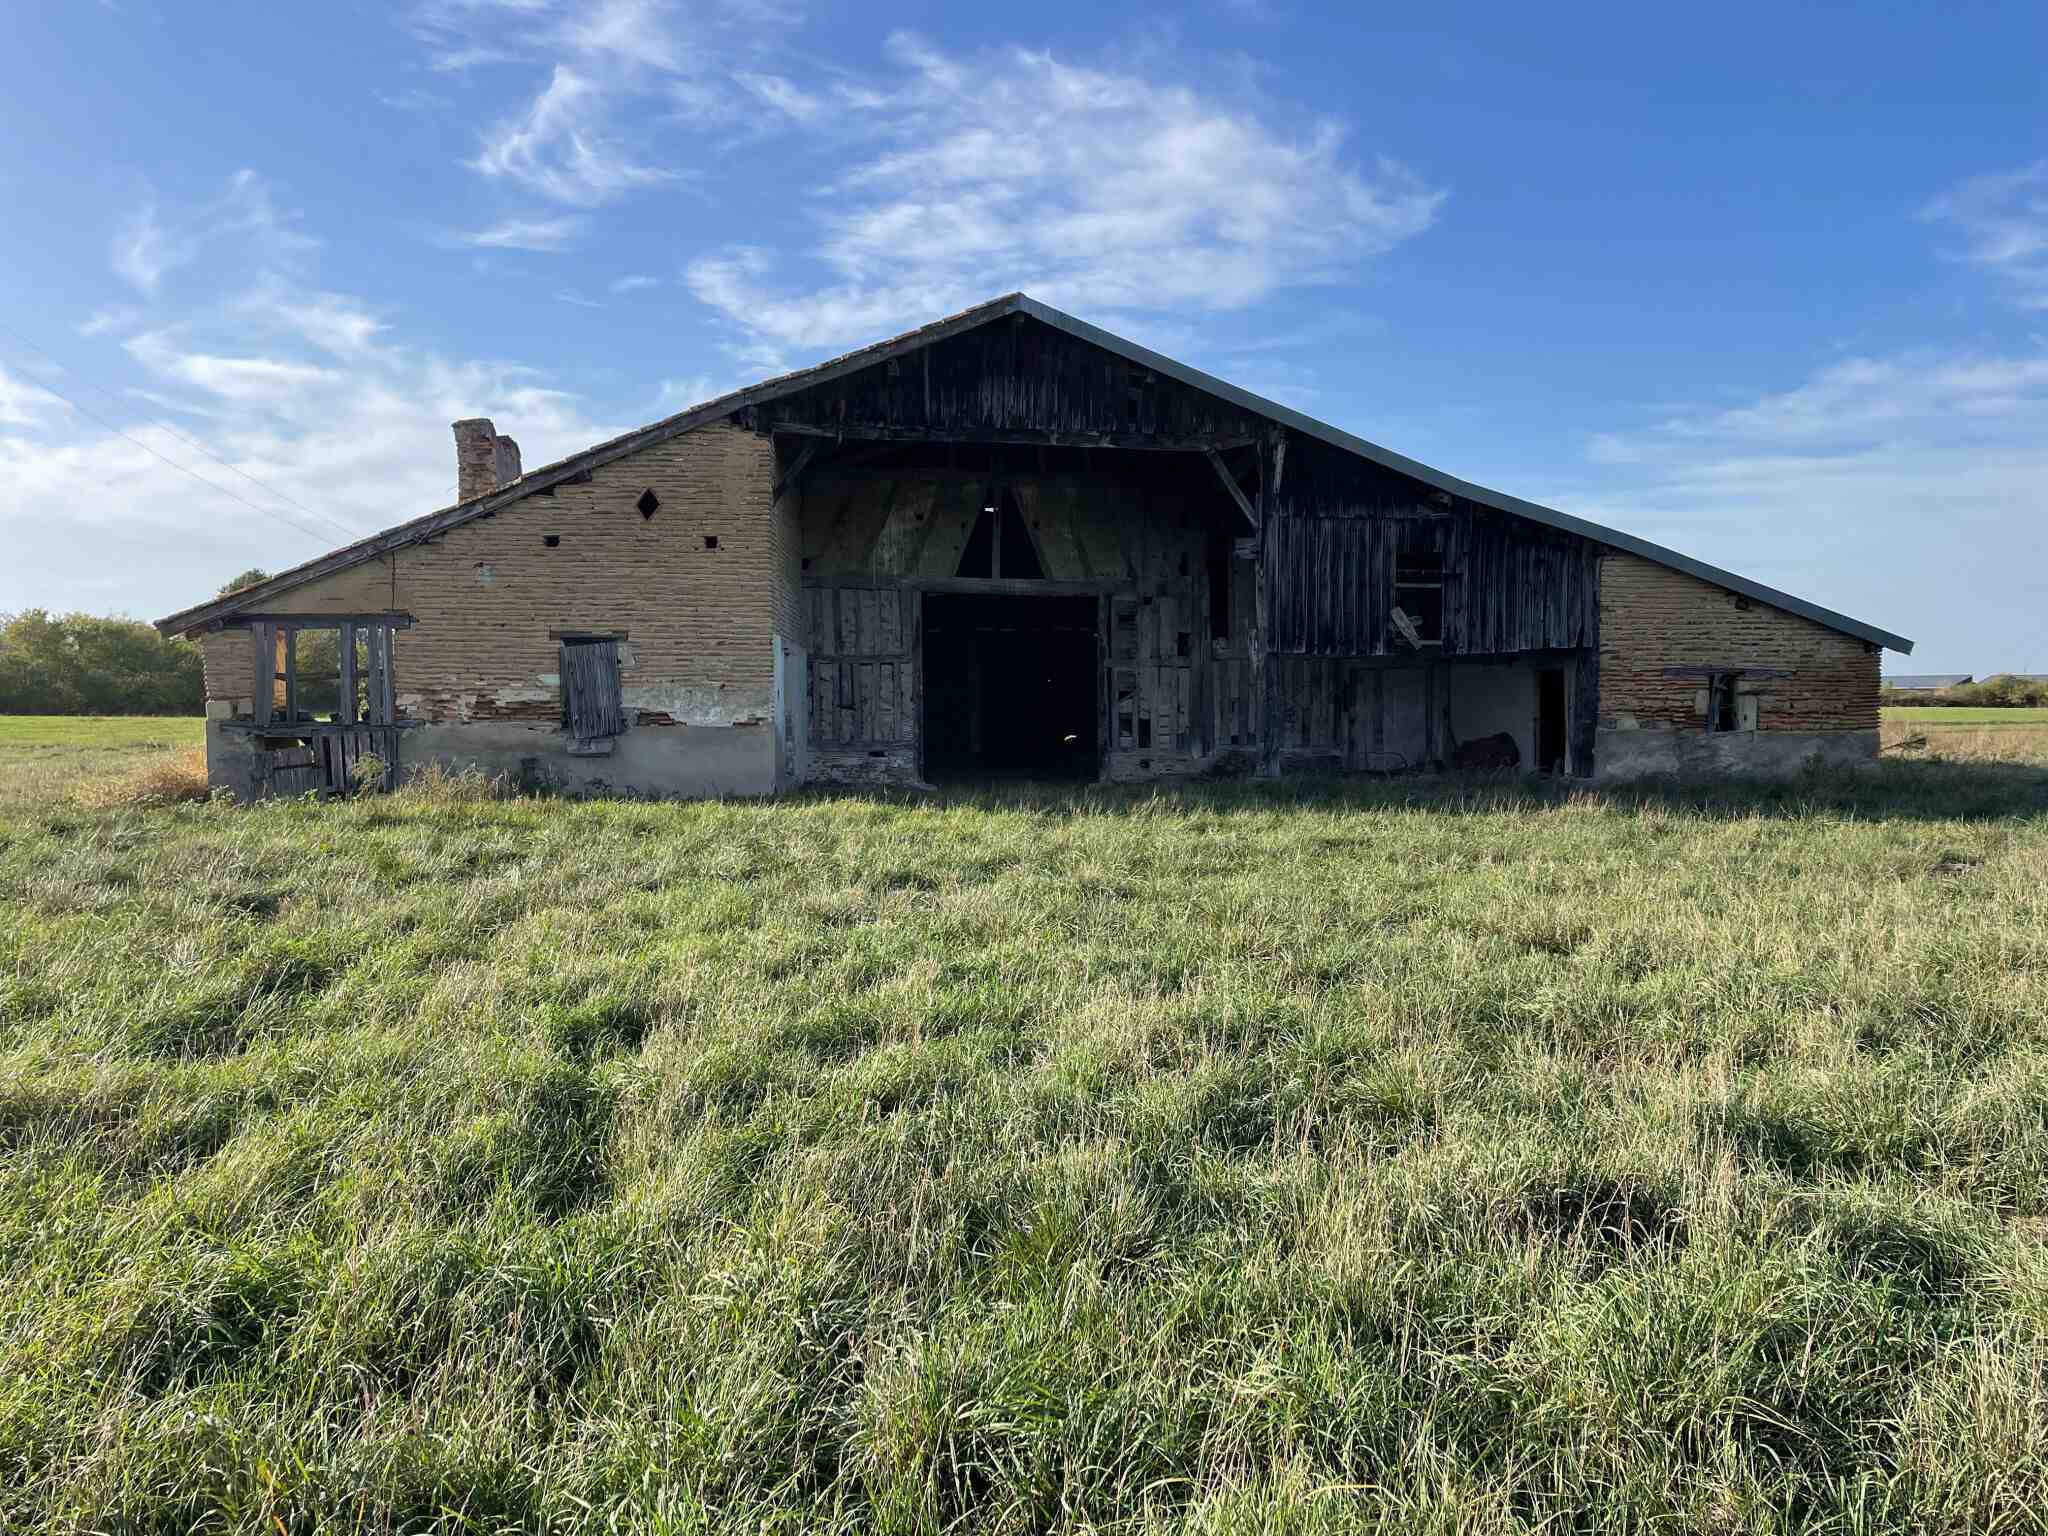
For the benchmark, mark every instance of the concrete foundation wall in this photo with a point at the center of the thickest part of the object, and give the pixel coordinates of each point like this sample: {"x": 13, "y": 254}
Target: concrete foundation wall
{"x": 1619, "y": 755}
{"x": 647, "y": 763}
{"x": 659, "y": 762}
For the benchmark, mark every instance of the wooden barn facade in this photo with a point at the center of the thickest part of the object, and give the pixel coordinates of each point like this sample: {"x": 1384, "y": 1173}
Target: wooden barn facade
{"x": 1011, "y": 544}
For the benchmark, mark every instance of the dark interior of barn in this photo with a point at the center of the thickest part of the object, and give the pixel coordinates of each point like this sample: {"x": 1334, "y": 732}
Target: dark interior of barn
{"x": 1010, "y": 686}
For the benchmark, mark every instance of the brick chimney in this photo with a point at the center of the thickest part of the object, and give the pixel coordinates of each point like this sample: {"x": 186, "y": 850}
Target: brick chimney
{"x": 484, "y": 461}
{"x": 505, "y": 459}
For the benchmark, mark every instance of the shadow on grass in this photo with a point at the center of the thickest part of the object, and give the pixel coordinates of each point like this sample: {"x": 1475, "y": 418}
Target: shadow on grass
{"x": 1887, "y": 791}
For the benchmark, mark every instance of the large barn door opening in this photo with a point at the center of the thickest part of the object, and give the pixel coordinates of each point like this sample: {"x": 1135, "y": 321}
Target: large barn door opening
{"x": 1009, "y": 686}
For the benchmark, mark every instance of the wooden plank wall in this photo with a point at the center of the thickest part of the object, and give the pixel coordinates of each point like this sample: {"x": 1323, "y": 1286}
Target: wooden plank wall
{"x": 863, "y": 665}
{"x": 1510, "y": 585}
{"x": 1142, "y": 537}
{"x": 1015, "y": 375}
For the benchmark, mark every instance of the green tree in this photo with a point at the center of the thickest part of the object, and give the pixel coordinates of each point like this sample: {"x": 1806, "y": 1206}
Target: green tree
{"x": 249, "y": 578}
{"x": 86, "y": 664}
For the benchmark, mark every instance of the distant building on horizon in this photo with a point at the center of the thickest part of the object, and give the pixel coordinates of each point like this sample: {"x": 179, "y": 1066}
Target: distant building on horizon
{"x": 1927, "y": 682}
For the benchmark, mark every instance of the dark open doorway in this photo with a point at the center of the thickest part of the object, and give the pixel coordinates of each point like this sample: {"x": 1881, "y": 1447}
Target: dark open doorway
{"x": 1010, "y": 686}
{"x": 1550, "y": 732}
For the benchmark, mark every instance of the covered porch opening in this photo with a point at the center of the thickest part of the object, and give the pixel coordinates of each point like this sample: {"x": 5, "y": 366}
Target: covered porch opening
{"x": 1011, "y": 686}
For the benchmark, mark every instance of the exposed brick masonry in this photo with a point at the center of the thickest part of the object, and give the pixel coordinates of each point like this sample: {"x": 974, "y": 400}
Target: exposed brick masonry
{"x": 486, "y": 594}
{"x": 1652, "y": 617}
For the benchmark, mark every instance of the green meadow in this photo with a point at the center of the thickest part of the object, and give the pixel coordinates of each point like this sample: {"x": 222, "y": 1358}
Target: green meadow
{"x": 1407, "y": 1155}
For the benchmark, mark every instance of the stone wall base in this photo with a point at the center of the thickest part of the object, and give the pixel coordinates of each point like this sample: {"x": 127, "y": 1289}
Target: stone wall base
{"x": 1621, "y": 755}
{"x": 661, "y": 762}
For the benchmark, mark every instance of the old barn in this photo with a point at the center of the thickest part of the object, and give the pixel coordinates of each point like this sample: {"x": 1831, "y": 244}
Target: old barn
{"x": 1007, "y": 543}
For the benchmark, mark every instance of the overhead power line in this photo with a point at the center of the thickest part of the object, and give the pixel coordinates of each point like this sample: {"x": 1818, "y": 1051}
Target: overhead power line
{"x": 311, "y": 533}
{"x": 347, "y": 532}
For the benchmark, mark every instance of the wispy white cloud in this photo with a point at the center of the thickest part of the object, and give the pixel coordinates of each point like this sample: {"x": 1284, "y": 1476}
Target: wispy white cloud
{"x": 560, "y": 147}
{"x": 25, "y": 406}
{"x": 1093, "y": 188}
{"x": 556, "y": 234}
{"x": 2003, "y": 217}
{"x": 310, "y": 395}
{"x": 581, "y": 301}
{"x": 1790, "y": 486}
{"x": 780, "y": 95}
{"x": 632, "y": 32}
{"x": 146, "y": 248}
{"x": 142, "y": 252}
{"x": 634, "y": 282}
{"x": 105, "y": 322}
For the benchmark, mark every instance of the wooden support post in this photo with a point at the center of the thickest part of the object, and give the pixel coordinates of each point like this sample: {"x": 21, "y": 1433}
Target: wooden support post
{"x": 263, "y": 692}
{"x": 291, "y": 674}
{"x": 387, "y": 693}
{"x": 1265, "y": 628}
{"x": 345, "y": 656}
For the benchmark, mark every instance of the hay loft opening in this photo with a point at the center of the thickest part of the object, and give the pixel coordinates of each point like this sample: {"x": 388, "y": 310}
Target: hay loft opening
{"x": 1010, "y": 686}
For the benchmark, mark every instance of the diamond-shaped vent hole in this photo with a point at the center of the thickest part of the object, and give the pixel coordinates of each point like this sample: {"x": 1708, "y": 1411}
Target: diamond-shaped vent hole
{"x": 647, "y": 503}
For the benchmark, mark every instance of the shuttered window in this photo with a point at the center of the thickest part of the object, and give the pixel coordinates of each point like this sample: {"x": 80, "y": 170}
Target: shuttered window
{"x": 591, "y": 706}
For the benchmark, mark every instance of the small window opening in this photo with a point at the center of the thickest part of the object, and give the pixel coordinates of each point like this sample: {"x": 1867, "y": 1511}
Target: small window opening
{"x": 592, "y": 704}
{"x": 551, "y": 540}
{"x": 1723, "y": 712}
{"x": 1418, "y": 616}
{"x": 711, "y": 541}
{"x": 648, "y": 503}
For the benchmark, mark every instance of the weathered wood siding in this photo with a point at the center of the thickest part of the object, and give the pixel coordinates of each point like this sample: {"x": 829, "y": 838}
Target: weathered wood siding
{"x": 873, "y": 541}
{"x": 1015, "y": 376}
{"x": 909, "y": 452}
{"x": 1509, "y": 585}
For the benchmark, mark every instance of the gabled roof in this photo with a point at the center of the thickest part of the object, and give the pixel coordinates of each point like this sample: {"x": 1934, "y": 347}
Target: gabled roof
{"x": 436, "y": 523}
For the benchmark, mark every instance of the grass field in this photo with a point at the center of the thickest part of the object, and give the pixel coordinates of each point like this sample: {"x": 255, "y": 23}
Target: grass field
{"x": 1328, "y": 1156}
{"x": 43, "y": 755}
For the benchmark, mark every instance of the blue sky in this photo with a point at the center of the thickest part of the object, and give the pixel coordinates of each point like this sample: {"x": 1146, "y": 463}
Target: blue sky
{"x": 1768, "y": 284}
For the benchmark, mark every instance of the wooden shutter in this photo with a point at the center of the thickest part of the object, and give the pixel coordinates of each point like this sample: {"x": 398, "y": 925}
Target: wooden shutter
{"x": 591, "y": 705}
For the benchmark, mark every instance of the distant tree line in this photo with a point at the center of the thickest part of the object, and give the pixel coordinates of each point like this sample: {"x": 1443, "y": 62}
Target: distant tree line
{"x": 84, "y": 664}
{"x": 2001, "y": 692}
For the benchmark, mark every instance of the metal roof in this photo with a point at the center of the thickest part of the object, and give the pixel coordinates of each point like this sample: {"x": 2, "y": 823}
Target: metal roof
{"x": 436, "y": 523}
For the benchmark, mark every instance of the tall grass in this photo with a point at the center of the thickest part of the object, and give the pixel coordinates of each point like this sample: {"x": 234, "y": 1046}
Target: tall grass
{"x": 1322, "y": 1156}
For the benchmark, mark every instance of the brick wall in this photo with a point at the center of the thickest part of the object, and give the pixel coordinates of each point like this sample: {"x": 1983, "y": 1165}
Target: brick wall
{"x": 485, "y": 595}
{"x": 1652, "y": 617}
{"x": 786, "y": 538}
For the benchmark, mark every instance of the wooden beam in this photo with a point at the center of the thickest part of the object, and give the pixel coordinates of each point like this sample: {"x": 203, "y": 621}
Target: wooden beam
{"x": 1026, "y": 588}
{"x": 1230, "y": 484}
{"x": 311, "y": 620}
{"x": 345, "y": 654}
{"x": 291, "y": 673}
{"x": 794, "y": 476}
{"x": 263, "y": 692}
{"x": 1265, "y": 678}
{"x": 878, "y": 432}
{"x": 1713, "y": 671}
